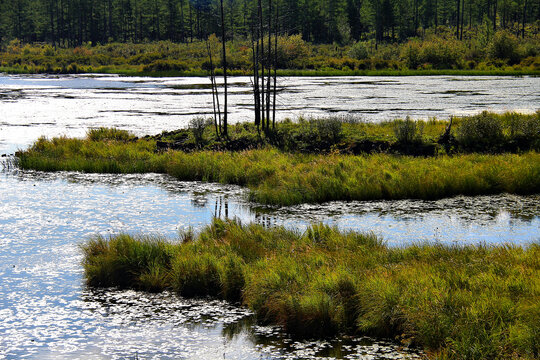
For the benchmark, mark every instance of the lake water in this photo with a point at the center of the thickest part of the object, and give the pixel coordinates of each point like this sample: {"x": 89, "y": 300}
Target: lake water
{"x": 47, "y": 312}
{"x": 33, "y": 106}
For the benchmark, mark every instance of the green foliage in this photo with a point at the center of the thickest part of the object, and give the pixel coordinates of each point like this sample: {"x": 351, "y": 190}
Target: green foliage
{"x": 408, "y": 131}
{"x": 359, "y": 51}
{"x": 165, "y": 65}
{"x": 458, "y": 302}
{"x": 198, "y": 125}
{"x": 481, "y": 132}
{"x": 290, "y": 50}
{"x": 436, "y": 54}
{"x": 505, "y": 46}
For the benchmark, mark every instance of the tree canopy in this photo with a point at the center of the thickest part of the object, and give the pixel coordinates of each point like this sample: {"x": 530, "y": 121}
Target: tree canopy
{"x": 73, "y": 22}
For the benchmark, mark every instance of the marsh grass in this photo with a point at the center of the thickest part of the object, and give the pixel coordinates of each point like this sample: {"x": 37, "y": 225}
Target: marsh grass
{"x": 458, "y": 302}
{"x": 111, "y": 134}
{"x": 281, "y": 178}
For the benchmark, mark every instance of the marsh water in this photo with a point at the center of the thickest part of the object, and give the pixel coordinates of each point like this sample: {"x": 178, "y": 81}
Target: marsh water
{"x": 47, "y": 312}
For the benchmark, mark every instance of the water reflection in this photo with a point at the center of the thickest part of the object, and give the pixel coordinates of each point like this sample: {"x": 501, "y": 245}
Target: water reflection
{"x": 462, "y": 219}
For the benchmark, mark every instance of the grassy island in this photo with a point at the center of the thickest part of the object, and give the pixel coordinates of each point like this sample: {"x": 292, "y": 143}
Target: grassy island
{"x": 457, "y": 302}
{"x": 322, "y": 159}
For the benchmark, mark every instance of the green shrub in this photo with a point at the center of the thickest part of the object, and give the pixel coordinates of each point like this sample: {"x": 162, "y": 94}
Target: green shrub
{"x": 359, "y": 51}
{"x": 442, "y": 54}
{"x": 291, "y": 48}
{"x": 411, "y": 54}
{"x": 483, "y": 132}
{"x": 197, "y": 125}
{"x": 505, "y": 46}
{"x": 408, "y": 131}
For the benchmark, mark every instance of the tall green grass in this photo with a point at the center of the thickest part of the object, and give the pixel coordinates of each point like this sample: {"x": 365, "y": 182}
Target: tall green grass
{"x": 280, "y": 178}
{"x": 458, "y": 302}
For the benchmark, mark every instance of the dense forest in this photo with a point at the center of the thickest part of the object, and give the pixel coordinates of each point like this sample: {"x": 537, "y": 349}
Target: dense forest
{"x": 74, "y": 22}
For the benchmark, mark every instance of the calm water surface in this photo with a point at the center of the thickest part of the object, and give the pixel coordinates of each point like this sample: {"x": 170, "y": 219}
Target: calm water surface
{"x": 32, "y": 106}
{"x": 47, "y": 312}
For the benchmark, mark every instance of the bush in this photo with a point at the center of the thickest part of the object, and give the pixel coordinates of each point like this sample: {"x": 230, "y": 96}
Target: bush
{"x": 505, "y": 46}
{"x": 482, "y": 132}
{"x": 408, "y": 131}
{"x": 197, "y": 126}
{"x": 289, "y": 49}
{"x": 411, "y": 55}
{"x": 359, "y": 51}
{"x": 442, "y": 54}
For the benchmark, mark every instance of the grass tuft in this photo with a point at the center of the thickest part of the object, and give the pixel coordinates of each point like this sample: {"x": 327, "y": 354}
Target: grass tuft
{"x": 458, "y": 302}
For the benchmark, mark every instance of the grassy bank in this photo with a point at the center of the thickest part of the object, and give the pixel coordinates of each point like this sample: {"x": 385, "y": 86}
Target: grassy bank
{"x": 276, "y": 177}
{"x": 458, "y": 302}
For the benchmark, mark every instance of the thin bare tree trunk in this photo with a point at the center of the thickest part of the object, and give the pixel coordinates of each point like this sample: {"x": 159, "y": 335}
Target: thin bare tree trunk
{"x": 462, "y": 16}
{"x": 215, "y": 97}
{"x": 269, "y": 81}
{"x": 276, "y": 27}
{"x": 255, "y": 49}
{"x": 261, "y": 29}
{"x": 224, "y": 55}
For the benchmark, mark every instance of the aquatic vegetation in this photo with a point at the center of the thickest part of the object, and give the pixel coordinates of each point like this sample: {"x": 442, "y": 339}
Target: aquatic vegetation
{"x": 458, "y": 302}
{"x": 285, "y": 178}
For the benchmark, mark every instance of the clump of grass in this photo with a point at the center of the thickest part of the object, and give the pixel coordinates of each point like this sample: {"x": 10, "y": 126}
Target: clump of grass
{"x": 104, "y": 134}
{"x": 124, "y": 260}
{"x": 481, "y": 132}
{"x": 458, "y": 302}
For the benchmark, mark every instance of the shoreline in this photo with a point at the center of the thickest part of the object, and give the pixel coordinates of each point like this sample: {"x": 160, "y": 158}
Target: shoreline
{"x": 283, "y": 73}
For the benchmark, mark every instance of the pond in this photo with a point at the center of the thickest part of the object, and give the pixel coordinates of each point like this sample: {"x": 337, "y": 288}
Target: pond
{"x": 47, "y": 312}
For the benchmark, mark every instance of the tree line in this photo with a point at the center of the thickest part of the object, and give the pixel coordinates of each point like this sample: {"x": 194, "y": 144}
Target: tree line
{"x": 74, "y": 22}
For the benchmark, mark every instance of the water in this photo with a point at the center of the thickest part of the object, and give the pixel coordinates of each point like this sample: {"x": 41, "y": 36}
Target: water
{"x": 33, "y": 106}
{"x": 47, "y": 312}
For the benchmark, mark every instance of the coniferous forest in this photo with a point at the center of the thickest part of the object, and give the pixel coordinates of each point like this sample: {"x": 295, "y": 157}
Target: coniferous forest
{"x": 71, "y": 23}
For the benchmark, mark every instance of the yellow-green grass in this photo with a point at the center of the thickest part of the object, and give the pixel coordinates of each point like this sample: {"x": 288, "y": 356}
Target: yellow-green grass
{"x": 280, "y": 178}
{"x": 436, "y": 54}
{"x": 457, "y": 302}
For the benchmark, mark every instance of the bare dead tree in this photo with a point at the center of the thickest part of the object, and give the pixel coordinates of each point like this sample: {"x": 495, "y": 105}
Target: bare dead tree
{"x": 255, "y": 50}
{"x": 215, "y": 95}
{"x": 224, "y": 57}
{"x": 276, "y": 27}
